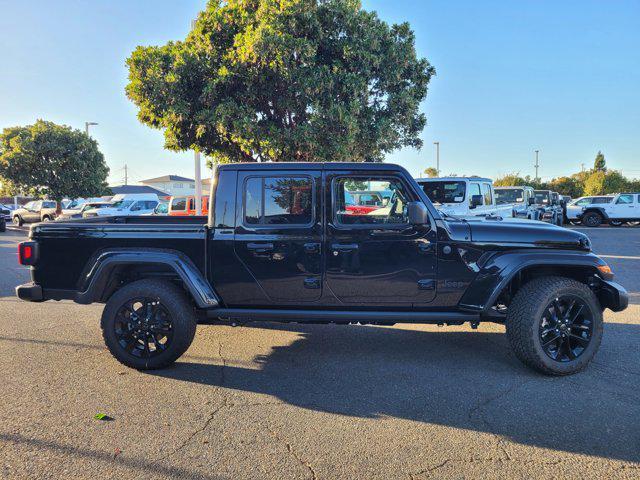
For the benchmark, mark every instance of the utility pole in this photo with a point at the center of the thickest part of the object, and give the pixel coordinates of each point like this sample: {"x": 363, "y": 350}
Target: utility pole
{"x": 87, "y": 125}
{"x": 537, "y": 165}
{"x": 437, "y": 144}
{"x": 196, "y": 169}
{"x": 582, "y": 167}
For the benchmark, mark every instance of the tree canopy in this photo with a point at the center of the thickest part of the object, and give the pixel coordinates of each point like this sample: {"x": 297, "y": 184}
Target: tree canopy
{"x": 599, "y": 164}
{"x": 431, "y": 172}
{"x": 51, "y": 160}
{"x": 284, "y": 80}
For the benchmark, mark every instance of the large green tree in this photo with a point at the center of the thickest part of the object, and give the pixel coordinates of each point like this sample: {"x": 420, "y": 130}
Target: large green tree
{"x": 284, "y": 80}
{"x": 51, "y": 160}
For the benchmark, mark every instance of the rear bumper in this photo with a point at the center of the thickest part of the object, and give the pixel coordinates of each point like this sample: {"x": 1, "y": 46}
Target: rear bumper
{"x": 614, "y": 296}
{"x": 30, "y": 292}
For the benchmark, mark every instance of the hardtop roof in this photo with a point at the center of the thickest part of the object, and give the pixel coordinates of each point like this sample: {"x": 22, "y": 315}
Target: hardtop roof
{"x": 384, "y": 167}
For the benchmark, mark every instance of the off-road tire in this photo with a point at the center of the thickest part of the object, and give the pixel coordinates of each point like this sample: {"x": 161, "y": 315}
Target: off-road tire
{"x": 3, "y": 226}
{"x": 616, "y": 223}
{"x": 525, "y": 314}
{"x": 174, "y": 300}
{"x": 17, "y": 220}
{"x": 592, "y": 219}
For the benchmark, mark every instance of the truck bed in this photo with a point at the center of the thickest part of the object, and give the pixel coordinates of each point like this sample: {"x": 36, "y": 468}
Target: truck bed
{"x": 71, "y": 245}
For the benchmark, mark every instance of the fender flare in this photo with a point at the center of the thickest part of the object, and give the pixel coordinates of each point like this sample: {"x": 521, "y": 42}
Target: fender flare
{"x": 599, "y": 210}
{"x": 496, "y": 273}
{"x": 97, "y": 273}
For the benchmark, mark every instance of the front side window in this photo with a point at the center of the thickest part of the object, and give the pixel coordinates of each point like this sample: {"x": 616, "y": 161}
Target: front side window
{"x": 445, "y": 191}
{"x": 278, "y": 201}
{"x": 389, "y": 207}
{"x": 29, "y": 206}
{"x": 486, "y": 194}
{"x": 625, "y": 199}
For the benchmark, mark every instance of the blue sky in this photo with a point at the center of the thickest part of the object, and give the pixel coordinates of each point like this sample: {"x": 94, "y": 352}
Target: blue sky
{"x": 512, "y": 76}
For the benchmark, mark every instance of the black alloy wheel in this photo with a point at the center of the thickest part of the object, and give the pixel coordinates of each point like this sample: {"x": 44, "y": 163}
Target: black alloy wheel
{"x": 566, "y": 328}
{"x": 143, "y": 327}
{"x": 592, "y": 219}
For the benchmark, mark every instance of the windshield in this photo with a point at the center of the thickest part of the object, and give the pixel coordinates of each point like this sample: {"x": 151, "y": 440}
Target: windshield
{"x": 509, "y": 195}
{"x": 542, "y": 197}
{"x": 445, "y": 191}
{"x": 122, "y": 204}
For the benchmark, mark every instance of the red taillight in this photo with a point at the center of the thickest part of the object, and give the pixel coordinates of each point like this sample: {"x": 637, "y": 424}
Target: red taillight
{"x": 27, "y": 253}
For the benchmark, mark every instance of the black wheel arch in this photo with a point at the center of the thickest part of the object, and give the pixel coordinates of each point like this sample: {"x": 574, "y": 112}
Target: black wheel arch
{"x": 599, "y": 210}
{"x": 505, "y": 273}
{"x": 110, "y": 269}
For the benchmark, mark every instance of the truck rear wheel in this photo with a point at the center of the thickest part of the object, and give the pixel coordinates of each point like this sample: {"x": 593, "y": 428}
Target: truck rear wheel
{"x": 148, "y": 324}
{"x": 554, "y": 325}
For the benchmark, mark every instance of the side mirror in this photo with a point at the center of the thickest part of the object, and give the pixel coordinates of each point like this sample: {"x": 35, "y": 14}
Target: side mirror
{"x": 417, "y": 213}
{"x": 476, "y": 200}
{"x": 532, "y": 201}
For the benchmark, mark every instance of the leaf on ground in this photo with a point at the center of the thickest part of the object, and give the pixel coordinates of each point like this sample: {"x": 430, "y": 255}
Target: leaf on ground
{"x": 103, "y": 416}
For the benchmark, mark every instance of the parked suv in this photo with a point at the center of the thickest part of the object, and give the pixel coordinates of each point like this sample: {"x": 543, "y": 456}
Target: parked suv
{"x": 281, "y": 245}
{"x": 521, "y": 200}
{"x": 129, "y": 204}
{"x": 464, "y": 196}
{"x": 576, "y": 209}
{"x": 35, "y": 211}
{"x": 549, "y": 208}
{"x": 623, "y": 208}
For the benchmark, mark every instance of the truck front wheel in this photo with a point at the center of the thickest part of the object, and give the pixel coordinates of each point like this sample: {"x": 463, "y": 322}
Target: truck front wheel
{"x": 148, "y": 324}
{"x": 554, "y": 325}
{"x": 592, "y": 219}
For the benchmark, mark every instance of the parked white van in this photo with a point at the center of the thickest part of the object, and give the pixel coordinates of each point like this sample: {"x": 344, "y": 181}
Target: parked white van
{"x": 464, "y": 196}
{"x": 126, "y": 204}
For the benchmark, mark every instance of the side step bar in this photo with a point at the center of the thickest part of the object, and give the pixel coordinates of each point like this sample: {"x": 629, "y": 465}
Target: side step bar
{"x": 342, "y": 316}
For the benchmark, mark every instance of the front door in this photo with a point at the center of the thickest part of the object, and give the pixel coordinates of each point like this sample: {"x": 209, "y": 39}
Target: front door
{"x": 278, "y": 234}
{"x": 623, "y": 208}
{"x": 377, "y": 257}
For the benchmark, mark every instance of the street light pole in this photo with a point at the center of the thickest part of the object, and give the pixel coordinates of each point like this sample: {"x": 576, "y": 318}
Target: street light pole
{"x": 437, "y": 144}
{"x": 537, "y": 164}
{"x": 87, "y": 125}
{"x": 196, "y": 169}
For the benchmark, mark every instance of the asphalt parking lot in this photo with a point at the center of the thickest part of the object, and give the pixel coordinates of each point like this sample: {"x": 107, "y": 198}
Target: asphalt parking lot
{"x": 295, "y": 401}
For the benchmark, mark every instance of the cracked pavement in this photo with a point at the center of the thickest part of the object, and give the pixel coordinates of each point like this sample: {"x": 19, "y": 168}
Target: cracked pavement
{"x": 313, "y": 402}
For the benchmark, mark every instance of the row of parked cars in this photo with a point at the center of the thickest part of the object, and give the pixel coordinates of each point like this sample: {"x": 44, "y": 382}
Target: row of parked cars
{"x": 120, "y": 205}
{"x": 453, "y": 196}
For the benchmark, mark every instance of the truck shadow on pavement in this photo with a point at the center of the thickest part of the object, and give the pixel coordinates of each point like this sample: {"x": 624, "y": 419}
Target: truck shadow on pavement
{"x": 466, "y": 380}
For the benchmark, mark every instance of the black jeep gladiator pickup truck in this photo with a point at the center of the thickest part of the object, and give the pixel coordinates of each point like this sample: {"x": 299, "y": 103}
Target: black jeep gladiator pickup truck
{"x": 283, "y": 242}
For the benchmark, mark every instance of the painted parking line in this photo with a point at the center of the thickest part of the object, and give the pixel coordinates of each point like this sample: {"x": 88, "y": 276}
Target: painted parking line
{"x": 621, "y": 257}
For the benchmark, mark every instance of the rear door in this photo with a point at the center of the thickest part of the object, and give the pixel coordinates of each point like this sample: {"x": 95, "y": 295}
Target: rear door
{"x": 278, "y": 234}
{"x": 377, "y": 258}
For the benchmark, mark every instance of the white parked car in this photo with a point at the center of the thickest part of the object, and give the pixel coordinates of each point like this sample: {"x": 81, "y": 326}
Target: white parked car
{"x": 623, "y": 208}
{"x": 577, "y": 207}
{"x": 464, "y": 196}
{"x": 126, "y": 204}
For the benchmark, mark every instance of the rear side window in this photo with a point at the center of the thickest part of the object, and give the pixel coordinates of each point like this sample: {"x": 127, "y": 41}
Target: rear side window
{"x": 278, "y": 201}
{"x": 49, "y": 205}
{"x": 602, "y": 200}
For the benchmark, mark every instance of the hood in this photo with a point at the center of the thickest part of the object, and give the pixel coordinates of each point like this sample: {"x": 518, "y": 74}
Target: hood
{"x": 515, "y": 231}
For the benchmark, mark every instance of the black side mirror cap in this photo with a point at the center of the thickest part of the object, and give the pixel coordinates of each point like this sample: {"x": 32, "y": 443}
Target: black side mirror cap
{"x": 532, "y": 201}
{"x": 417, "y": 213}
{"x": 476, "y": 200}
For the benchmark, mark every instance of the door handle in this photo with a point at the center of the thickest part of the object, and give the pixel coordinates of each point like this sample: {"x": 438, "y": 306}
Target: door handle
{"x": 260, "y": 247}
{"x": 343, "y": 247}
